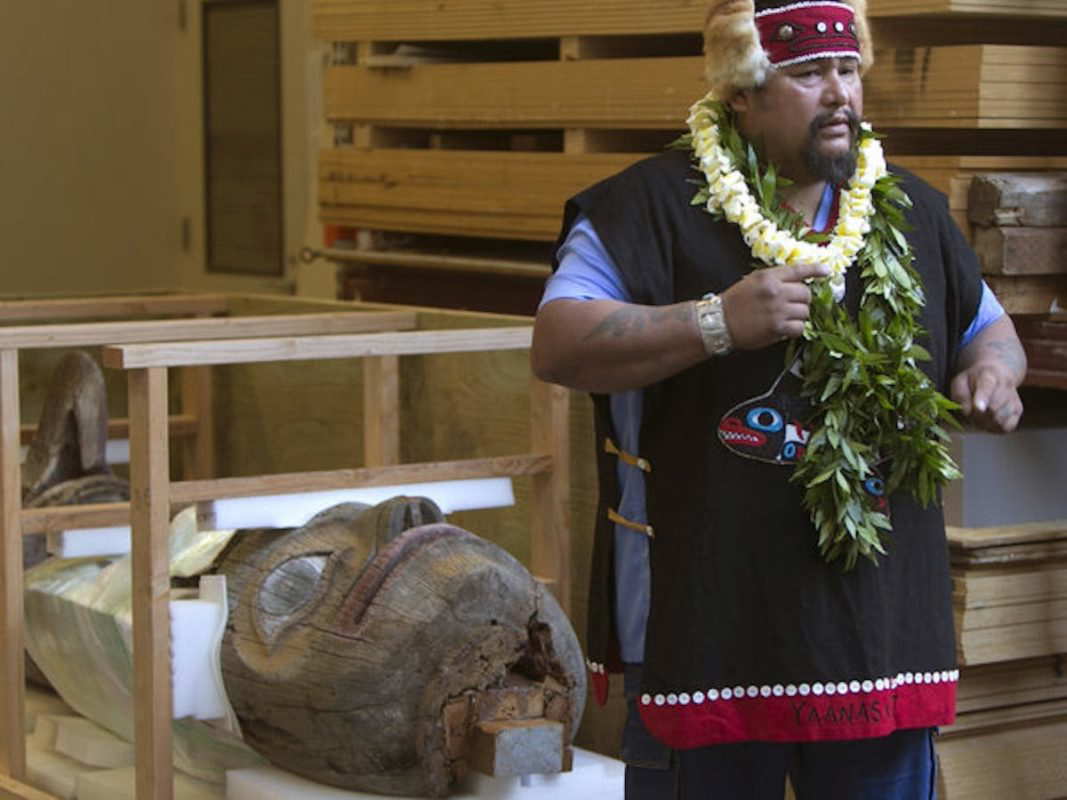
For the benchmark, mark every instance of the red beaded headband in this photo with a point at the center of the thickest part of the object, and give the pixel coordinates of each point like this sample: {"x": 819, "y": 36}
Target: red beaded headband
{"x": 806, "y": 31}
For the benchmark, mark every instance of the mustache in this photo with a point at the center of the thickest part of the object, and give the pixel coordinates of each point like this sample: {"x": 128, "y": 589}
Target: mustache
{"x": 824, "y": 118}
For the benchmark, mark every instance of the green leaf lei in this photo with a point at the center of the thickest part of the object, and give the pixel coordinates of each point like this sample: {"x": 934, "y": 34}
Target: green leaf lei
{"x": 874, "y": 406}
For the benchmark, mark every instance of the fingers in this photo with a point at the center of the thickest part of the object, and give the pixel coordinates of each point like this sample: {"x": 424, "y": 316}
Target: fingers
{"x": 801, "y": 273}
{"x": 988, "y": 398}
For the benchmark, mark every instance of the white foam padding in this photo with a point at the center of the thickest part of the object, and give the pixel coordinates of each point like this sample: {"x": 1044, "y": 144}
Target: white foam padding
{"x": 40, "y": 702}
{"x": 293, "y": 510}
{"x": 52, "y": 773}
{"x": 196, "y": 629}
{"x": 90, "y": 542}
{"x": 88, "y": 743}
{"x": 594, "y": 777}
{"x": 119, "y": 784}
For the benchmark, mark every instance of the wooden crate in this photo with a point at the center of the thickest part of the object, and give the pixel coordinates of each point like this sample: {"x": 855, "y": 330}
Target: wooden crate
{"x": 330, "y": 424}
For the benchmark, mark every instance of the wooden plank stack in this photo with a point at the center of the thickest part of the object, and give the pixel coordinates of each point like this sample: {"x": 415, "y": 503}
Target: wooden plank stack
{"x": 1020, "y": 230}
{"x": 1045, "y": 340}
{"x": 1010, "y": 595}
{"x": 474, "y": 120}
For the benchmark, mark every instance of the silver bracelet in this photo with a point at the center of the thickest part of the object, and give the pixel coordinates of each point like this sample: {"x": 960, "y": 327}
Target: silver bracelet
{"x": 712, "y": 324}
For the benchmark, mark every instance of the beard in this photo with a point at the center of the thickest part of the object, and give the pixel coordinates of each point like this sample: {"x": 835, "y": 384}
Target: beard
{"x": 836, "y": 168}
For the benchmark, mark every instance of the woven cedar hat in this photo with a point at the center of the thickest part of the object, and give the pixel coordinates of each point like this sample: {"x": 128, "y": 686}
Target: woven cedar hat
{"x": 742, "y": 46}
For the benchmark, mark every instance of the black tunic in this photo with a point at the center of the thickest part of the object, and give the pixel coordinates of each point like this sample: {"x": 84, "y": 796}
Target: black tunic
{"x": 751, "y": 636}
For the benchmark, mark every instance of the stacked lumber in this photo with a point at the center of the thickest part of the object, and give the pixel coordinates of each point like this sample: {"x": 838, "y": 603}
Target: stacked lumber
{"x": 478, "y": 119}
{"x": 1010, "y": 596}
{"x": 1020, "y": 234}
{"x": 1009, "y": 590}
{"x": 1045, "y": 339}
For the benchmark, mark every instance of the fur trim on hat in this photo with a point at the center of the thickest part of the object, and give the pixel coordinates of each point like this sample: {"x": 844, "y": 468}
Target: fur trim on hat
{"x": 733, "y": 55}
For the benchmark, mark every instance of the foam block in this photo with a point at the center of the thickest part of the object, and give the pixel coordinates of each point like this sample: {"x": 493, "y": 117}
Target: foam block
{"x": 88, "y": 743}
{"x": 594, "y": 777}
{"x": 40, "y": 702}
{"x": 90, "y": 542}
{"x": 119, "y": 784}
{"x": 293, "y": 510}
{"x": 52, "y": 773}
{"x": 196, "y": 628}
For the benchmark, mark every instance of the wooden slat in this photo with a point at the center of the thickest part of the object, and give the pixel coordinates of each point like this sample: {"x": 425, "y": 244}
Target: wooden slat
{"x": 1021, "y": 535}
{"x": 550, "y": 530}
{"x": 1021, "y": 251}
{"x": 381, "y": 411}
{"x": 104, "y": 307}
{"x": 59, "y": 518}
{"x": 12, "y": 669}
{"x": 964, "y": 86}
{"x": 251, "y": 351}
{"x": 506, "y": 195}
{"x": 413, "y": 20}
{"x": 11, "y": 789}
{"x": 1029, "y": 294}
{"x": 119, "y": 428}
{"x": 953, "y": 174}
{"x": 198, "y": 402}
{"x": 619, "y": 92}
{"x": 150, "y": 522}
{"x": 100, "y": 333}
{"x": 419, "y": 260}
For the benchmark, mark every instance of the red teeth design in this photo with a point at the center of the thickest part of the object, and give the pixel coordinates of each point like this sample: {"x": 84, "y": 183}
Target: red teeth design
{"x": 732, "y": 431}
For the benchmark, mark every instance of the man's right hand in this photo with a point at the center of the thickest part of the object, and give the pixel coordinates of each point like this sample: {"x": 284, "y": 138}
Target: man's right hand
{"x": 769, "y": 305}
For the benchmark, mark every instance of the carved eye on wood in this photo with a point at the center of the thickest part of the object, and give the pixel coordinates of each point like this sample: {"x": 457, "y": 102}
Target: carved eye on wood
{"x": 289, "y": 592}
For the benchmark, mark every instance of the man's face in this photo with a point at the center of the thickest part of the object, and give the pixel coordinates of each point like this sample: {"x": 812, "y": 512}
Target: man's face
{"x": 805, "y": 118}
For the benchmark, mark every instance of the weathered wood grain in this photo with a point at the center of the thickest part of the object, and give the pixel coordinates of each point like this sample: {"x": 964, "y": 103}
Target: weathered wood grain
{"x": 1021, "y": 251}
{"x": 351, "y": 641}
{"x": 1027, "y": 199}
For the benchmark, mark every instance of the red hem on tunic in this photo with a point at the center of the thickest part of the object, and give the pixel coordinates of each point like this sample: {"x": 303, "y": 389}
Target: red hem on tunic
{"x": 810, "y": 718}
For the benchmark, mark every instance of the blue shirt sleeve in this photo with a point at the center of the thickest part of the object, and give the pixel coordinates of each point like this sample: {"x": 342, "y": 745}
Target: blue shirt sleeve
{"x": 586, "y": 270}
{"x": 989, "y": 311}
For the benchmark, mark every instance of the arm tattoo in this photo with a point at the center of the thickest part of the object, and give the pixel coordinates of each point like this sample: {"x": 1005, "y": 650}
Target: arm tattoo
{"x": 630, "y": 320}
{"x": 1009, "y": 353}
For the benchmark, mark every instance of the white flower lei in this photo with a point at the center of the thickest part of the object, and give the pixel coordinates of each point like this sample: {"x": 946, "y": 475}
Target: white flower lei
{"x": 728, "y": 193}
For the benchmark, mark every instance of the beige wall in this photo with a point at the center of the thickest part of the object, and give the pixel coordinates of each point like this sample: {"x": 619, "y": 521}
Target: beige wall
{"x": 101, "y": 154}
{"x": 87, "y": 146}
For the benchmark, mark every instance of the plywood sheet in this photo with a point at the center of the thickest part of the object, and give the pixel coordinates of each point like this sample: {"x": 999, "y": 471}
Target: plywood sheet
{"x": 510, "y": 195}
{"x": 395, "y": 20}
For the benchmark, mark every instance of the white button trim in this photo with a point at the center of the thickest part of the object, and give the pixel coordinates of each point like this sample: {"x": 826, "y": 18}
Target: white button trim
{"x": 818, "y": 689}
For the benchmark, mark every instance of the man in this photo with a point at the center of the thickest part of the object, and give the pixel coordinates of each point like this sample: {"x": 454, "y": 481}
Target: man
{"x": 749, "y": 652}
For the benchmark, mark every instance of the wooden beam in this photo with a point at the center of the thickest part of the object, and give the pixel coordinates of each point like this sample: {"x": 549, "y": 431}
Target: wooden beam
{"x": 550, "y": 528}
{"x": 150, "y": 521}
{"x": 104, "y": 307}
{"x": 413, "y": 20}
{"x": 250, "y": 351}
{"x": 75, "y": 335}
{"x": 12, "y": 645}
{"x": 11, "y": 789}
{"x": 381, "y": 411}
{"x": 955, "y": 86}
{"x": 119, "y": 428}
{"x": 198, "y": 403}
{"x": 60, "y": 518}
{"x": 457, "y": 192}
{"x": 419, "y": 260}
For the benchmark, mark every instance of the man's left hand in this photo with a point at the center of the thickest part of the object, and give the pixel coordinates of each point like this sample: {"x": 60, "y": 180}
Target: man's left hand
{"x": 991, "y": 368}
{"x": 987, "y": 395}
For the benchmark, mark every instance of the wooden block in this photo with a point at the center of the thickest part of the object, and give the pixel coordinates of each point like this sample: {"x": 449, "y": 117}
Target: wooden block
{"x": 457, "y": 717}
{"x": 1021, "y": 251}
{"x": 1012, "y": 683}
{"x": 988, "y": 586}
{"x": 511, "y": 703}
{"x": 1029, "y": 294}
{"x": 519, "y": 747}
{"x": 1036, "y": 8}
{"x": 1044, "y": 354}
{"x": 1020, "y": 640}
{"x": 1027, "y": 199}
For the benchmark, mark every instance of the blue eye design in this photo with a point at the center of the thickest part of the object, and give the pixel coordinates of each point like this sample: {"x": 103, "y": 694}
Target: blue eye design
{"x": 874, "y": 486}
{"x": 789, "y": 452}
{"x": 766, "y": 419}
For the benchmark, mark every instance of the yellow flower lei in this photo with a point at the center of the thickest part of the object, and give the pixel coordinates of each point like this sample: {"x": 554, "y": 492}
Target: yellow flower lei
{"x": 729, "y": 194}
